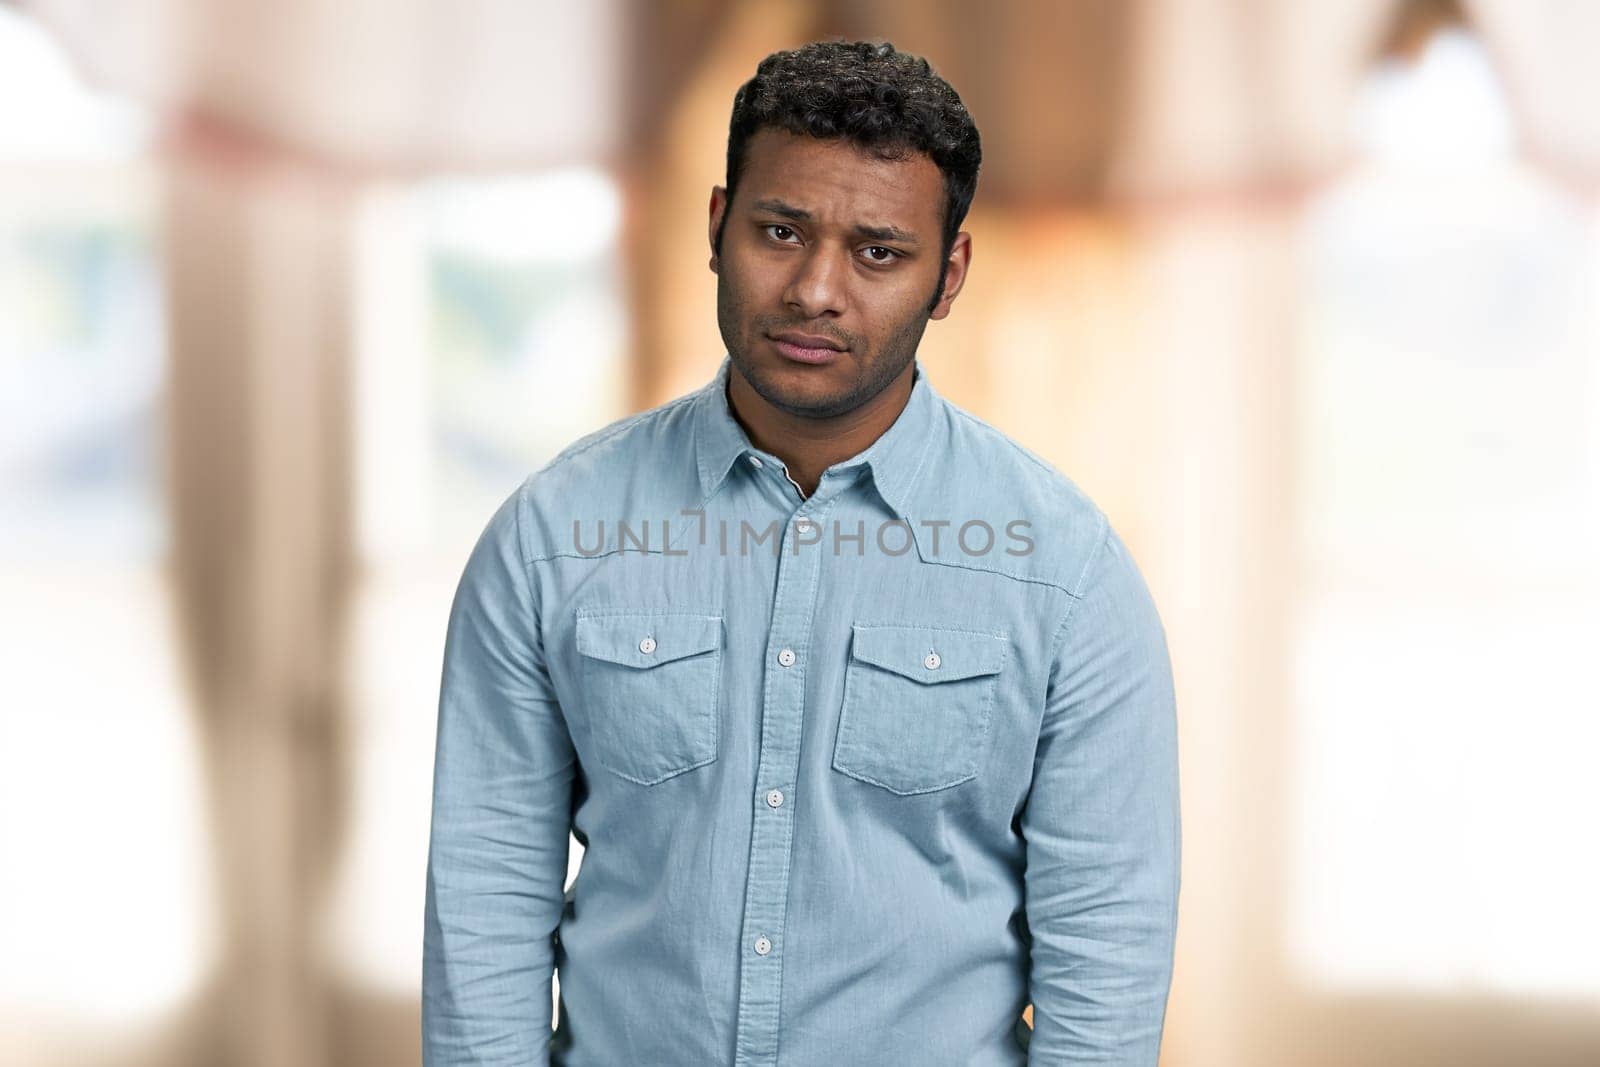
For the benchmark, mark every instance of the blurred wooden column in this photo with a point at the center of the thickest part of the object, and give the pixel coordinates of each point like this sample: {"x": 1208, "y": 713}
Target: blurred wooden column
{"x": 258, "y": 304}
{"x": 685, "y": 62}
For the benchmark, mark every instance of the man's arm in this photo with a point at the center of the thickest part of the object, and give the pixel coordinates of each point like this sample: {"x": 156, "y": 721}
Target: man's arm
{"x": 1102, "y": 828}
{"x": 497, "y": 852}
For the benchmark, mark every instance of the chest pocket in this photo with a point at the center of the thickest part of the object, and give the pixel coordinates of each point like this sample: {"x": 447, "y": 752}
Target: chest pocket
{"x": 916, "y": 705}
{"x": 650, "y": 683}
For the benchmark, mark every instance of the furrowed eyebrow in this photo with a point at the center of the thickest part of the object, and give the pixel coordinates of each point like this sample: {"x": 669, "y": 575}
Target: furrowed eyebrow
{"x": 798, "y": 214}
{"x": 788, "y": 211}
{"x": 887, "y": 233}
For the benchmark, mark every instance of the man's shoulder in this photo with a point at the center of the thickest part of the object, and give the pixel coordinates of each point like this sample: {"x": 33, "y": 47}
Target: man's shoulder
{"x": 624, "y": 441}
{"x": 602, "y": 474}
{"x": 987, "y": 475}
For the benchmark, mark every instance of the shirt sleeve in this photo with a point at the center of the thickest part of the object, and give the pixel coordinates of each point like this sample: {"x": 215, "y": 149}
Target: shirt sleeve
{"x": 497, "y": 851}
{"x": 1102, "y": 830}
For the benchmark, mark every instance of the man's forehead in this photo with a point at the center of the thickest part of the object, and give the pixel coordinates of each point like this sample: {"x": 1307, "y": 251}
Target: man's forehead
{"x": 813, "y": 175}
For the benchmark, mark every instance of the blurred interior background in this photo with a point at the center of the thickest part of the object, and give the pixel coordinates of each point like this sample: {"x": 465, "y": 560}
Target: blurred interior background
{"x": 1303, "y": 293}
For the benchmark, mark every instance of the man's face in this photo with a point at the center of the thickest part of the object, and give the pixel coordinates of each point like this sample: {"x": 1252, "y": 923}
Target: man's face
{"x": 839, "y": 250}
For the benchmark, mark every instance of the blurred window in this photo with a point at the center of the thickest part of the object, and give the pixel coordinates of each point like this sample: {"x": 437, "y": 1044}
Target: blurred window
{"x": 492, "y": 333}
{"x": 1446, "y": 718}
{"x": 104, "y": 901}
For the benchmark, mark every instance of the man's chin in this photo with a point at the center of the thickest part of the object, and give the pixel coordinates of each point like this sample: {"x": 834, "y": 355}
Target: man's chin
{"x": 806, "y": 399}
{"x": 806, "y": 404}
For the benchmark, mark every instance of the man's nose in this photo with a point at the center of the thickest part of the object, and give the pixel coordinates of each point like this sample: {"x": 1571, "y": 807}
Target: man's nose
{"x": 820, "y": 282}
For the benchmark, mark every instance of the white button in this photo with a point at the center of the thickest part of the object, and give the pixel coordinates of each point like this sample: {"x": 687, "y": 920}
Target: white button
{"x": 786, "y": 657}
{"x": 763, "y": 946}
{"x": 648, "y": 645}
{"x": 775, "y": 798}
{"x": 931, "y": 661}
{"x": 804, "y": 525}
{"x": 755, "y": 461}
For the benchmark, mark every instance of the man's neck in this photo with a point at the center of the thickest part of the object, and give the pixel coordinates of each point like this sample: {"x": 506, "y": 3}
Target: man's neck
{"x": 810, "y": 446}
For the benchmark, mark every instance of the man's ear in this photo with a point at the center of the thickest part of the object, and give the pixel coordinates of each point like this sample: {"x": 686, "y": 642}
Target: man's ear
{"x": 955, "y": 275}
{"x": 719, "y": 204}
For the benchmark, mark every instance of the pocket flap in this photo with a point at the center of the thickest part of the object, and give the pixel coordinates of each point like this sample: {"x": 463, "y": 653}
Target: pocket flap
{"x": 671, "y": 636}
{"x": 905, "y": 650}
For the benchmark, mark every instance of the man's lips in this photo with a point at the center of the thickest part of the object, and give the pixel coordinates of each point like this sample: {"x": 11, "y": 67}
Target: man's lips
{"x": 806, "y": 347}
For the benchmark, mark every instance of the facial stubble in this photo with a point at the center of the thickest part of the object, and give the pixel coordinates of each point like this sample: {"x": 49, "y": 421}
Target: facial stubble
{"x": 874, "y": 374}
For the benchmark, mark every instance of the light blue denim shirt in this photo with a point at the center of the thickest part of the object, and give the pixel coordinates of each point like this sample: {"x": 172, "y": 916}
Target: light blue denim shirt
{"x": 857, "y": 775}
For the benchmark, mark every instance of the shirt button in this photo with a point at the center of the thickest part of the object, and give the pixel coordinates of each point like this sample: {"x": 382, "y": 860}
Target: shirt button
{"x": 931, "y": 661}
{"x": 755, "y": 461}
{"x": 805, "y": 526}
{"x": 775, "y": 798}
{"x": 763, "y": 946}
{"x": 648, "y": 645}
{"x": 786, "y": 657}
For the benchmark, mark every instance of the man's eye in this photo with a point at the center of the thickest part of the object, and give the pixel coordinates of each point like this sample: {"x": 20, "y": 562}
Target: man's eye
{"x": 888, "y": 255}
{"x": 778, "y": 231}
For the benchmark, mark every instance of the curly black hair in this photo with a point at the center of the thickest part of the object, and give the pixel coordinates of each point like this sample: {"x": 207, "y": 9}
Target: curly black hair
{"x": 887, "y": 102}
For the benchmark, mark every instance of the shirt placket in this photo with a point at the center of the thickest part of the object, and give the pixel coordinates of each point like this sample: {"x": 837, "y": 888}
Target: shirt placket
{"x": 762, "y": 944}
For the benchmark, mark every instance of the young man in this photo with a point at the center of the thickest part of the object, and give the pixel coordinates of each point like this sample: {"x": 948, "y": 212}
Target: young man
{"x": 862, "y": 713}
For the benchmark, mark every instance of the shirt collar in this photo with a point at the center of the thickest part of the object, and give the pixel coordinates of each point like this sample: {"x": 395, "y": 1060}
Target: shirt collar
{"x": 895, "y": 459}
